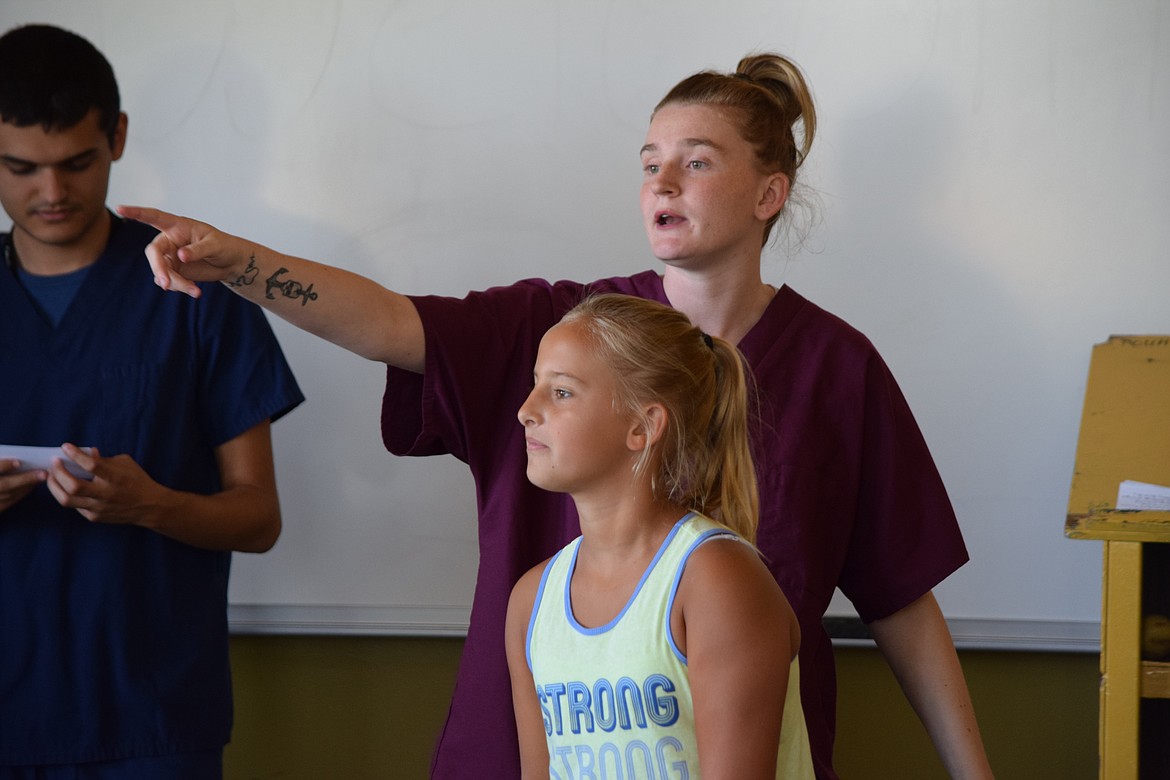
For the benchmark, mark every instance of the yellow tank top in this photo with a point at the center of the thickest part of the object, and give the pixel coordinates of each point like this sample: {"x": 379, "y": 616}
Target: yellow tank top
{"x": 616, "y": 699}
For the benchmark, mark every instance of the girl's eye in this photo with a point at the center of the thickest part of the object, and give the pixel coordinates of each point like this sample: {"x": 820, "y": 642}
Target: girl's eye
{"x": 561, "y": 393}
{"x": 695, "y": 165}
{"x": 651, "y": 168}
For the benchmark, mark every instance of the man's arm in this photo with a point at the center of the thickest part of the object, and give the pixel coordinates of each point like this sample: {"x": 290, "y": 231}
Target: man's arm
{"x": 243, "y": 516}
{"x": 918, "y": 647}
{"x": 339, "y": 306}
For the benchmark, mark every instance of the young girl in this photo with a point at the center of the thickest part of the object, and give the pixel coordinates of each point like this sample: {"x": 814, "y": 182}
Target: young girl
{"x": 849, "y": 495}
{"x": 654, "y": 639}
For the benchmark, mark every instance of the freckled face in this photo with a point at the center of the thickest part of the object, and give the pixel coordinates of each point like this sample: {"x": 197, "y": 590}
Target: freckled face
{"x": 575, "y": 436}
{"x": 701, "y": 188}
{"x": 53, "y": 184}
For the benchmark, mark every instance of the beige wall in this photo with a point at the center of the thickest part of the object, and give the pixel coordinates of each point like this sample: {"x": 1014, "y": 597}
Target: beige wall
{"x": 356, "y": 708}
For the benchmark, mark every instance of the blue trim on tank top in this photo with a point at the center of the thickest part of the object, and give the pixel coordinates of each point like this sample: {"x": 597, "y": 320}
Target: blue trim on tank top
{"x": 633, "y": 597}
{"x": 536, "y": 607}
{"x": 705, "y": 536}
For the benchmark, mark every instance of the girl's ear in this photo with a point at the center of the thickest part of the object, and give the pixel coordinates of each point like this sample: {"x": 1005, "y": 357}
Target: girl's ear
{"x": 773, "y": 196}
{"x": 648, "y": 429}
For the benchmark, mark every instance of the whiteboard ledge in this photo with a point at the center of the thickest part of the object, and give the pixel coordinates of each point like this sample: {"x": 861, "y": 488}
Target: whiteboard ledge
{"x": 451, "y": 621}
{"x": 1040, "y": 635}
{"x": 351, "y": 620}
{"x": 1048, "y": 636}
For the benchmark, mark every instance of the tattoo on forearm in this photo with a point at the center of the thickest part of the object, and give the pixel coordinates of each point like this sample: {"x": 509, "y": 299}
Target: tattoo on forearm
{"x": 289, "y": 288}
{"x": 248, "y": 276}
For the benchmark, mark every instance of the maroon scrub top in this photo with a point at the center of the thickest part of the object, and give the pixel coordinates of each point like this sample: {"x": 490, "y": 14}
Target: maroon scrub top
{"x": 849, "y": 493}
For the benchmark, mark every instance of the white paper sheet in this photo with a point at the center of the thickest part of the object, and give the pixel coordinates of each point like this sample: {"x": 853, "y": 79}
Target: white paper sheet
{"x": 33, "y": 458}
{"x": 1143, "y": 495}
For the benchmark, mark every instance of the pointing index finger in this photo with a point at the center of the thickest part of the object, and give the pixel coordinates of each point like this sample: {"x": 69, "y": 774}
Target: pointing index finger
{"x": 153, "y": 217}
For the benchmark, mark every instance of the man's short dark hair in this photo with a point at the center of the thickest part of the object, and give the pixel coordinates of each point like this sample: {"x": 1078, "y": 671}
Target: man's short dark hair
{"x": 54, "y": 78}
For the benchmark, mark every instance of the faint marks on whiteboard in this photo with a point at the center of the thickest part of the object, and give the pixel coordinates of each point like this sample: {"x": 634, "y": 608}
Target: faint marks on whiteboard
{"x": 1062, "y": 57}
{"x": 226, "y": 62}
{"x": 459, "y": 63}
{"x": 868, "y": 56}
{"x": 645, "y": 51}
{"x": 165, "y": 78}
{"x": 291, "y": 45}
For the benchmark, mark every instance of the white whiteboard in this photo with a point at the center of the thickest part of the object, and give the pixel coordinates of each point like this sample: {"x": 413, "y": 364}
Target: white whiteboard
{"x": 993, "y": 182}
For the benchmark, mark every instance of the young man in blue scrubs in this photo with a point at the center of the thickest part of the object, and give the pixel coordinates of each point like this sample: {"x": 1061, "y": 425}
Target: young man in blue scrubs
{"x": 114, "y": 572}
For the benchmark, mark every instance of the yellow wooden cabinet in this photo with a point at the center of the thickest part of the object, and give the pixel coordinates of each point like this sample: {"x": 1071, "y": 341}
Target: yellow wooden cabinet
{"x": 1125, "y": 435}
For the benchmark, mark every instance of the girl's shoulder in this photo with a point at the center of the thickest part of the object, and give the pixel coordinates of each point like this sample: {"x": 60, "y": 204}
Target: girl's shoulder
{"x": 521, "y": 602}
{"x": 527, "y": 586}
{"x": 726, "y": 581}
{"x": 727, "y": 595}
{"x": 725, "y": 560}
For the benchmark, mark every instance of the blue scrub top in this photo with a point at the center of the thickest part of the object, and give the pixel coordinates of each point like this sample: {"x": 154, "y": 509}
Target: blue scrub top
{"x": 113, "y": 639}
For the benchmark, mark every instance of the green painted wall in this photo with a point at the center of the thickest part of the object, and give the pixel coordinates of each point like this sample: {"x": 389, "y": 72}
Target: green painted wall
{"x": 310, "y": 708}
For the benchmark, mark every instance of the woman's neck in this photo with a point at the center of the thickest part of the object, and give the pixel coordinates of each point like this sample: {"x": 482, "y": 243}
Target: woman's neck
{"x": 722, "y": 302}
